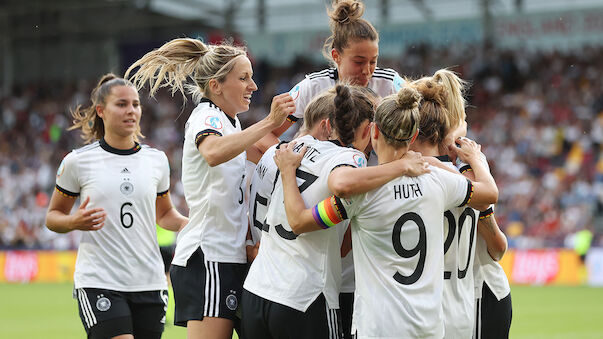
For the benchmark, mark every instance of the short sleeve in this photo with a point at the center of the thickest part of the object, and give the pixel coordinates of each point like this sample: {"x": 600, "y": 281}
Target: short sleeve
{"x": 209, "y": 122}
{"x": 464, "y": 167}
{"x": 67, "y": 181}
{"x": 302, "y": 94}
{"x": 164, "y": 181}
{"x": 348, "y": 157}
{"x": 457, "y": 189}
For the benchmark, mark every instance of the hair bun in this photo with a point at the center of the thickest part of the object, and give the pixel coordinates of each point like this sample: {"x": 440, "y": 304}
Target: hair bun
{"x": 408, "y": 98}
{"x": 106, "y": 78}
{"x": 346, "y": 11}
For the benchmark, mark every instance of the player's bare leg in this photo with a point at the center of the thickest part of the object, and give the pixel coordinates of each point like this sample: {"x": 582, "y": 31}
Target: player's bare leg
{"x": 209, "y": 328}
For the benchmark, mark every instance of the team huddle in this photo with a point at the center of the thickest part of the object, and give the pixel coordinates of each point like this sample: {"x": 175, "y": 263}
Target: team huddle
{"x": 376, "y": 221}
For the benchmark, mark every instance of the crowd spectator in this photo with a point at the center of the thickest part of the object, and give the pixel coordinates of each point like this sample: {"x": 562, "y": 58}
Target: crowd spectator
{"x": 538, "y": 116}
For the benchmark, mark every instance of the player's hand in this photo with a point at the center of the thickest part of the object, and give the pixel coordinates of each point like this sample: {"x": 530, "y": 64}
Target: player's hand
{"x": 282, "y": 106}
{"x": 467, "y": 150}
{"x": 414, "y": 164}
{"x": 88, "y": 219}
{"x": 286, "y": 159}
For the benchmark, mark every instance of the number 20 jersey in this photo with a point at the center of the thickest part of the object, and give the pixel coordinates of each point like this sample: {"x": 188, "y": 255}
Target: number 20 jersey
{"x": 460, "y": 230}
{"x": 123, "y": 255}
{"x": 397, "y": 242}
{"x": 294, "y": 270}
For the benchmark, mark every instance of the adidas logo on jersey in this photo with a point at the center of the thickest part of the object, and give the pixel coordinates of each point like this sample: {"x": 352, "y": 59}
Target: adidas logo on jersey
{"x": 125, "y": 170}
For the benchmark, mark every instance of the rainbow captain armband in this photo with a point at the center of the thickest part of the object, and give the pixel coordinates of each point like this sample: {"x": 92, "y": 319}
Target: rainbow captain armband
{"x": 329, "y": 212}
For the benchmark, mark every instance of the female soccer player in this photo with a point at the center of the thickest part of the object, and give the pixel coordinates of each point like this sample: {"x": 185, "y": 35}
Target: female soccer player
{"x": 353, "y": 50}
{"x": 210, "y": 260}
{"x": 396, "y": 229}
{"x": 119, "y": 281}
{"x": 493, "y": 304}
{"x": 293, "y": 284}
{"x": 439, "y": 92}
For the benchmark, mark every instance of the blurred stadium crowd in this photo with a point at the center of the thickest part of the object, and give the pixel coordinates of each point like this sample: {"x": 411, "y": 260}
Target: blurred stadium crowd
{"x": 537, "y": 115}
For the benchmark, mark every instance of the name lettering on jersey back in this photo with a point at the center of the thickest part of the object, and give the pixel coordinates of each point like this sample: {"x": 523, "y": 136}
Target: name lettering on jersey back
{"x": 311, "y": 153}
{"x": 407, "y": 191}
{"x": 261, "y": 170}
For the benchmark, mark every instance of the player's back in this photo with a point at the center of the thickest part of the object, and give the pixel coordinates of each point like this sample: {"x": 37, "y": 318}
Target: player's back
{"x": 293, "y": 270}
{"x": 397, "y": 241}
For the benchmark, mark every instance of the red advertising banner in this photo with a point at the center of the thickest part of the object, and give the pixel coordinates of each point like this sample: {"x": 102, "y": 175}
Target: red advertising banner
{"x": 37, "y": 266}
{"x": 542, "y": 267}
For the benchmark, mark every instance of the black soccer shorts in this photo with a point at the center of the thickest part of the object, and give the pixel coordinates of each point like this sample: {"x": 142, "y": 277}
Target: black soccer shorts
{"x": 107, "y": 313}
{"x": 206, "y": 289}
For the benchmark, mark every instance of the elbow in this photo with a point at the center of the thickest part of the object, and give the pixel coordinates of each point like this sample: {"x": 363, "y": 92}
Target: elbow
{"x": 498, "y": 252}
{"x": 296, "y": 226}
{"x": 498, "y": 249}
{"x": 493, "y": 196}
{"x": 212, "y": 159}
{"x": 341, "y": 188}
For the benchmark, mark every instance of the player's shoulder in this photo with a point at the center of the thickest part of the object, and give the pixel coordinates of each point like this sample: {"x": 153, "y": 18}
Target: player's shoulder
{"x": 155, "y": 152}
{"x": 206, "y": 107}
{"x": 85, "y": 149}
{"x": 386, "y": 81}
{"x": 325, "y": 74}
{"x": 385, "y": 73}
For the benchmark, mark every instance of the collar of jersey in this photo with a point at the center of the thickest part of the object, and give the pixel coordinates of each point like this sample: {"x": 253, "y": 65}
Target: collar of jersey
{"x": 443, "y": 158}
{"x": 104, "y": 145}
{"x": 338, "y": 143}
{"x": 211, "y": 104}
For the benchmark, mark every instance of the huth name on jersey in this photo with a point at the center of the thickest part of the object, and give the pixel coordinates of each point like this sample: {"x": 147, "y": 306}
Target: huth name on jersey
{"x": 407, "y": 191}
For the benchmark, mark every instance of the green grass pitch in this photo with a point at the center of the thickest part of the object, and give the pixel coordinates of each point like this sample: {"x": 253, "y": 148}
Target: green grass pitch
{"x": 48, "y": 311}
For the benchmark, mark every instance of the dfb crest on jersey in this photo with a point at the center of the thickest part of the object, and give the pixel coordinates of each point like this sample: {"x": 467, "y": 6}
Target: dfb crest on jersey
{"x": 126, "y": 188}
{"x": 213, "y": 122}
{"x": 359, "y": 160}
{"x": 103, "y": 303}
{"x": 294, "y": 93}
{"x": 231, "y": 302}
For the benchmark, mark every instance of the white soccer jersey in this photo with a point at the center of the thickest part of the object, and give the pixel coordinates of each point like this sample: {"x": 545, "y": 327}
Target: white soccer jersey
{"x": 123, "y": 255}
{"x": 383, "y": 82}
{"x": 215, "y": 195}
{"x": 460, "y": 228}
{"x": 489, "y": 271}
{"x": 294, "y": 270}
{"x": 262, "y": 184}
{"x": 486, "y": 269}
{"x": 397, "y": 241}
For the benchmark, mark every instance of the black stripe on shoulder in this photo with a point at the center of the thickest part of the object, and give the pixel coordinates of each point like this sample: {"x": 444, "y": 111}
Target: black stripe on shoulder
{"x": 162, "y": 194}
{"x": 386, "y": 77}
{"x": 201, "y": 135}
{"x": 342, "y": 165}
{"x": 93, "y": 145}
{"x": 319, "y": 74}
{"x": 469, "y": 194}
{"x": 385, "y": 71}
{"x": 66, "y": 193}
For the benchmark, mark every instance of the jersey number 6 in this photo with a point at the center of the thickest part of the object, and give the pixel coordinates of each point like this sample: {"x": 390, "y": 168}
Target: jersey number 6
{"x": 126, "y": 218}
